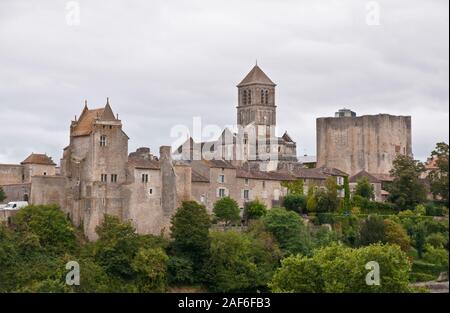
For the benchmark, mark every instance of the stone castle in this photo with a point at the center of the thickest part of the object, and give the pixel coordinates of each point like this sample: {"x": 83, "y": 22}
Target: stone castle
{"x": 97, "y": 174}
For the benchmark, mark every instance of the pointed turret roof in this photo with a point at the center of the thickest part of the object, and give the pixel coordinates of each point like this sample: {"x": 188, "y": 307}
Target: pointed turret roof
{"x": 256, "y": 76}
{"x": 87, "y": 118}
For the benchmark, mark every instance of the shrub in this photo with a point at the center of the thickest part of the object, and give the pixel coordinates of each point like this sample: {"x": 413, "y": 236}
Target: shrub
{"x": 295, "y": 202}
{"x": 179, "y": 271}
{"x": 151, "y": 266}
{"x": 238, "y": 263}
{"x": 289, "y": 231}
{"x": 372, "y": 230}
{"x": 49, "y": 224}
{"x": 254, "y": 209}
{"x": 341, "y": 269}
{"x": 437, "y": 240}
{"x": 227, "y": 210}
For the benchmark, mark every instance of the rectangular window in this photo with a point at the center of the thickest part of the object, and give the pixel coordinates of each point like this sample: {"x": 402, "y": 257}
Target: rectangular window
{"x": 114, "y": 178}
{"x": 246, "y": 194}
{"x": 246, "y": 181}
{"x": 102, "y": 141}
{"x": 145, "y": 178}
{"x": 264, "y": 184}
{"x": 104, "y": 178}
{"x": 221, "y": 179}
{"x": 221, "y": 192}
{"x": 150, "y": 191}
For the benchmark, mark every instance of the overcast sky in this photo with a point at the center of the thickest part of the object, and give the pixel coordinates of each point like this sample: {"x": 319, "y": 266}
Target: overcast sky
{"x": 163, "y": 62}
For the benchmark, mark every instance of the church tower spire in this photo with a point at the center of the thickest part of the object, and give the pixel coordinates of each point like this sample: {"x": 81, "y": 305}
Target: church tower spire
{"x": 256, "y": 103}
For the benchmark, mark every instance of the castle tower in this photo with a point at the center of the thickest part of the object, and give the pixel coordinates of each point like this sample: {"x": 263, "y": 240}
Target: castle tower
{"x": 256, "y": 99}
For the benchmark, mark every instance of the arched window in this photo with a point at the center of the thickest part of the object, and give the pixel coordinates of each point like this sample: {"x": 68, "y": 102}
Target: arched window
{"x": 244, "y": 97}
{"x": 103, "y": 141}
{"x": 249, "y": 97}
{"x": 267, "y": 96}
{"x": 262, "y": 96}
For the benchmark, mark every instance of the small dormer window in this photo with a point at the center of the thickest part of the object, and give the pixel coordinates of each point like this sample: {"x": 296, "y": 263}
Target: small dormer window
{"x": 103, "y": 141}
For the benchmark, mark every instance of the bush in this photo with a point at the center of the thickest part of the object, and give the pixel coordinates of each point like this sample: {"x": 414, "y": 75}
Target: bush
{"x": 227, "y": 210}
{"x": 50, "y": 226}
{"x": 438, "y": 256}
{"x": 372, "y": 230}
{"x": 180, "y": 271}
{"x": 368, "y": 206}
{"x": 254, "y": 209}
{"x": 238, "y": 263}
{"x": 341, "y": 269}
{"x": 432, "y": 209}
{"x": 326, "y": 218}
{"x": 296, "y": 203}
{"x": 394, "y": 233}
{"x": 289, "y": 231}
{"x": 151, "y": 266}
{"x": 437, "y": 240}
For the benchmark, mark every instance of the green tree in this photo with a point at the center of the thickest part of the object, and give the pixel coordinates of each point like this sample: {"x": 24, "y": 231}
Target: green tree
{"x": 151, "y": 266}
{"x": 2, "y": 195}
{"x": 347, "y": 204}
{"x": 372, "y": 230}
{"x": 406, "y": 190}
{"x": 116, "y": 247}
{"x": 339, "y": 269}
{"x": 180, "y": 271}
{"x": 49, "y": 224}
{"x": 289, "y": 230}
{"x": 294, "y": 187}
{"x": 190, "y": 232}
{"x": 394, "y": 233}
{"x": 311, "y": 202}
{"x": 439, "y": 177}
{"x": 327, "y": 200}
{"x": 295, "y": 202}
{"x": 227, "y": 210}
{"x": 238, "y": 263}
{"x": 254, "y": 209}
{"x": 364, "y": 188}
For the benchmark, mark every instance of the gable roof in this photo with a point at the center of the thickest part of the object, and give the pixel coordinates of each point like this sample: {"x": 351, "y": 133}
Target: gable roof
{"x": 256, "y": 76}
{"x": 199, "y": 178}
{"x": 361, "y": 174}
{"x": 84, "y": 125}
{"x": 36, "y": 158}
{"x": 286, "y": 137}
{"x": 255, "y": 174}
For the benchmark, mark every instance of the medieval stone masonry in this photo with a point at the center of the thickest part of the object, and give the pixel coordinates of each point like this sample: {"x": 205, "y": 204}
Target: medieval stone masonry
{"x": 97, "y": 174}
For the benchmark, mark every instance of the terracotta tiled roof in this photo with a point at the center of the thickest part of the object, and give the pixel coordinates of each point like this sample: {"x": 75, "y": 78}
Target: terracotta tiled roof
{"x": 384, "y": 177}
{"x": 361, "y": 174}
{"x": 253, "y": 174}
{"x": 85, "y": 123}
{"x": 36, "y": 158}
{"x": 332, "y": 171}
{"x": 144, "y": 163}
{"x": 312, "y": 173}
{"x": 197, "y": 177}
{"x": 256, "y": 76}
{"x": 218, "y": 164}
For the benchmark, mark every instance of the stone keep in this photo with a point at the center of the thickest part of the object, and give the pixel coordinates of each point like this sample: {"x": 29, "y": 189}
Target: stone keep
{"x": 368, "y": 142}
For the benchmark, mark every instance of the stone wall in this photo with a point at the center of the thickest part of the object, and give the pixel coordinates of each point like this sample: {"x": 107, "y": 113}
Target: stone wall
{"x": 11, "y": 174}
{"x": 16, "y": 192}
{"x": 369, "y": 142}
{"x": 48, "y": 190}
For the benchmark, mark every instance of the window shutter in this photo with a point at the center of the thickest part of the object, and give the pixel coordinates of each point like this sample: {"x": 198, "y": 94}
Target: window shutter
{"x": 217, "y": 193}
{"x": 227, "y": 193}
{"x": 242, "y": 194}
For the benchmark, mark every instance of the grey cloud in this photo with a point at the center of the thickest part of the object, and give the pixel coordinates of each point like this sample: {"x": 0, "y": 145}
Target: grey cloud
{"x": 163, "y": 62}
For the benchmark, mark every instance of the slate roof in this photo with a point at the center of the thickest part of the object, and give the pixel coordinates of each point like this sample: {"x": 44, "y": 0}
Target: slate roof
{"x": 253, "y": 174}
{"x": 361, "y": 174}
{"x": 197, "y": 177}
